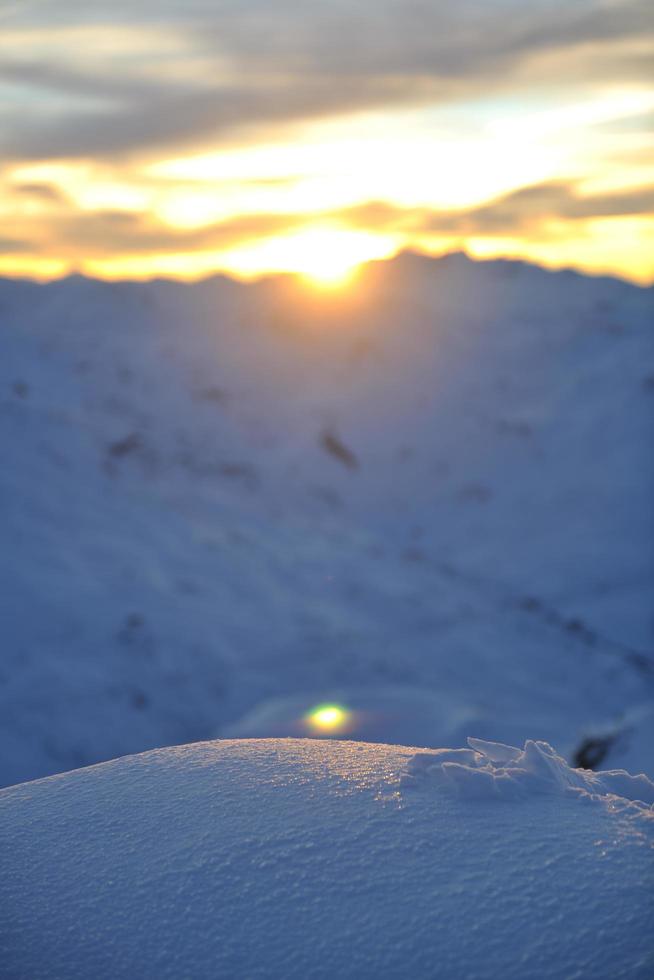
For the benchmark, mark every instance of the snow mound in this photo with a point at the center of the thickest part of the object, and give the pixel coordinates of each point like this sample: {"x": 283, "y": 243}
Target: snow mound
{"x": 491, "y": 770}
{"x": 304, "y": 858}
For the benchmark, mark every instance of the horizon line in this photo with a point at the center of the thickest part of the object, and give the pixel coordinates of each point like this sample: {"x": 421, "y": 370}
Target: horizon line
{"x": 286, "y": 275}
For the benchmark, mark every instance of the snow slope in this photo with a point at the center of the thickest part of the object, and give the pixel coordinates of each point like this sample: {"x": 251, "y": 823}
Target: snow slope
{"x": 300, "y": 858}
{"x": 221, "y": 500}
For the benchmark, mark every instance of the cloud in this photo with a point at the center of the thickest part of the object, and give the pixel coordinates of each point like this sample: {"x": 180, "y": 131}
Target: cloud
{"x": 46, "y": 193}
{"x": 17, "y": 246}
{"x": 266, "y": 63}
{"x": 189, "y": 117}
{"x": 109, "y": 233}
{"x": 529, "y": 208}
{"x": 525, "y": 212}
{"x": 411, "y": 37}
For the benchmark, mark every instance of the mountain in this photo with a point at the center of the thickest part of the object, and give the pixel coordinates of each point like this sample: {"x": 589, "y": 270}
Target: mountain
{"x": 428, "y": 496}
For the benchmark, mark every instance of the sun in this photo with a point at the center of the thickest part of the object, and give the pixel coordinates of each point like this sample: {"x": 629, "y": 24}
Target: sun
{"x": 328, "y": 270}
{"x": 328, "y": 257}
{"x": 325, "y": 257}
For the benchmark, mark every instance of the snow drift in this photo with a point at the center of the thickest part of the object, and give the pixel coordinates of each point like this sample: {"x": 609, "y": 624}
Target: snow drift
{"x": 299, "y": 858}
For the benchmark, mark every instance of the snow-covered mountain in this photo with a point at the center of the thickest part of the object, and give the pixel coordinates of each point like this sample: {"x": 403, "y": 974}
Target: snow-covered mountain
{"x": 302, "y": 859}
{"x": 429, "y": 497}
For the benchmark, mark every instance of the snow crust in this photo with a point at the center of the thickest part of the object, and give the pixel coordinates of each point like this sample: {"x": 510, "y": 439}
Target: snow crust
{"x": 491, "y": 769}
{"x": 301, "y": 858}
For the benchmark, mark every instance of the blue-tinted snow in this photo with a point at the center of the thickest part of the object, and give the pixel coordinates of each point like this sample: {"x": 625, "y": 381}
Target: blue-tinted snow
{"x": 307, "y": 859}
{"x": 222, "y": 503}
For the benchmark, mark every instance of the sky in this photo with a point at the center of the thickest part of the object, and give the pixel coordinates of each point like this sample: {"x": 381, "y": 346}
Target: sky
{"x": 154, "y": 137}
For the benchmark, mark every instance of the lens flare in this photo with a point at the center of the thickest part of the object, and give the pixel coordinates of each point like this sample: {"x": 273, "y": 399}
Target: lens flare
{"x": 327, "y": 719}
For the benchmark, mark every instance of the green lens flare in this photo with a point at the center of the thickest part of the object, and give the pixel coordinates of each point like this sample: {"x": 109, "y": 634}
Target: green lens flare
{"x": 327, "y": 718}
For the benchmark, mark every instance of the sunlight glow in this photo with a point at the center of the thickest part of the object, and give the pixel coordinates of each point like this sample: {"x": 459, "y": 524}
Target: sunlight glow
{"x": 327, "y": 719}
{"x": 138, "y": 149}
{"x": 326, "y": 256}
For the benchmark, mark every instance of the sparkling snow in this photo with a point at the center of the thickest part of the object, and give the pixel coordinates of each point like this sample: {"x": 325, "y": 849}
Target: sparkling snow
{"x": 303, "y": 858}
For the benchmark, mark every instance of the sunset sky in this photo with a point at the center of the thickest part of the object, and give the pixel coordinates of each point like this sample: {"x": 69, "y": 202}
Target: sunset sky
{"x": 154, "y": 137}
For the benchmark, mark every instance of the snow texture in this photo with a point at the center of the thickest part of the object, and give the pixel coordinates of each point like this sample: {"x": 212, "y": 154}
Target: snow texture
{"x": 308, "y": 859}
{"x": 431, "y": 497}
{"x": 491, "y": 769}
